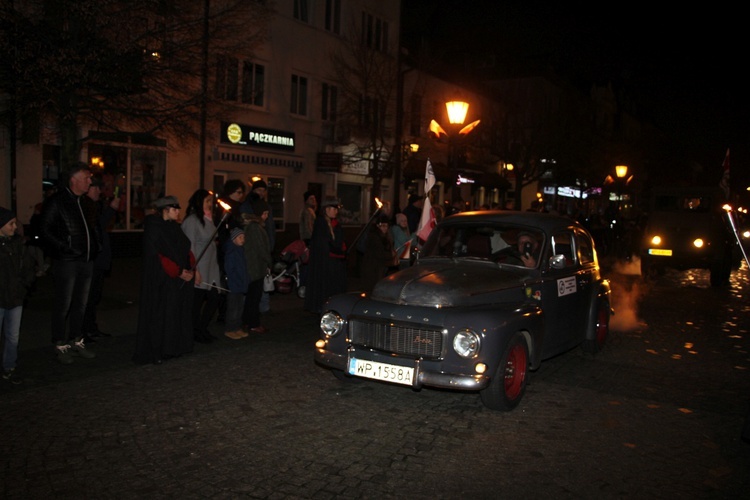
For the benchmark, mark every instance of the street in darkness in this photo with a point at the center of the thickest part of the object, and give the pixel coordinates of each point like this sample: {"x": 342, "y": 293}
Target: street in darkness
{"x": 657, "y": 414}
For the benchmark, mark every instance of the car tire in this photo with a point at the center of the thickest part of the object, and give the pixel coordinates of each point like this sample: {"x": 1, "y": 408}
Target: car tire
{"x": 600, "y": 328}
{"x": 508, "y": 384}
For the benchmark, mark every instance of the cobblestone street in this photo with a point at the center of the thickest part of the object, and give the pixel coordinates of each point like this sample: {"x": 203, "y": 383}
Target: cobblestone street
{"x": 657, "y": 414}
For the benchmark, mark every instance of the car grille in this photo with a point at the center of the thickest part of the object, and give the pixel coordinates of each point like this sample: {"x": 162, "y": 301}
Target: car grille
{"x": 399, "y": 339}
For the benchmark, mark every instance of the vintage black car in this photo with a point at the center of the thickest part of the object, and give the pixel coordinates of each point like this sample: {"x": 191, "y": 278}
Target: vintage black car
{"x": 470, "y": 314}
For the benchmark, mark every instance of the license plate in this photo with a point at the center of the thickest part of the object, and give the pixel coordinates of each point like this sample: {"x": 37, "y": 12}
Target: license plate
{"x": 660, "y": 251}
{"x": 381, "y": 371}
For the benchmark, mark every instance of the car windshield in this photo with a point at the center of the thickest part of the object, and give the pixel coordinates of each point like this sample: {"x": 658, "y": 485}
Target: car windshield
{"x": 499, "y": 243}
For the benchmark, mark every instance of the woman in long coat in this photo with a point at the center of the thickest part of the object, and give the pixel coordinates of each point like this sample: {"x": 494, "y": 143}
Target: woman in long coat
{"x": 327, "y": 271}
{"x": 165, "y": 324}
{"x": 199, "y": 227}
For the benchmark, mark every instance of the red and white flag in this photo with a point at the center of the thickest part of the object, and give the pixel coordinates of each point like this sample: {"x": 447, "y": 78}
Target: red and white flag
{"x": 724, "y": 182}
{"x": 427, "y": 221}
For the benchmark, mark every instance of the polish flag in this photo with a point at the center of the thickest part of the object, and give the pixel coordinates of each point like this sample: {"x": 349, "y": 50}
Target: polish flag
{"x": 427, "y": 221}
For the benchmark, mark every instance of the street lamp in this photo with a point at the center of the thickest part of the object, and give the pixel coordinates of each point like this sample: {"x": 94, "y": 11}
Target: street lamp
{"x": 621, "y": 171}
{"x": 456, "y": 116}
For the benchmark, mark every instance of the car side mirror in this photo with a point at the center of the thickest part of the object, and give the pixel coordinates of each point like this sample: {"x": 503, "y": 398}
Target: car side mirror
{"x": 557, "y": 261}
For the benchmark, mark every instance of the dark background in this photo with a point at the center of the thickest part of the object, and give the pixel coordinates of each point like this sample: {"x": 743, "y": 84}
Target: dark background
{"x": 680, "y": 68}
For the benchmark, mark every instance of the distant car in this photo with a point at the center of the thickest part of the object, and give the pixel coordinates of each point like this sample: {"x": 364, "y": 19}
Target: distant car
{"x": 686, "y": 229}
{"x": 469, "y": 314}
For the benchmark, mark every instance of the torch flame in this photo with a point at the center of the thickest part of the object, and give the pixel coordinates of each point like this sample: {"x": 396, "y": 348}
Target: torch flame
{"x": 379, "y": 203}
{"x": 224, "y": 205}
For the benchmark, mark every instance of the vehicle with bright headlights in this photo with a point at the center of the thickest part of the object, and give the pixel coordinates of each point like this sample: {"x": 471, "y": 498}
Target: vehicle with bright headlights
{"x": 687, "y": 228}
{"x": 491, "y": 295}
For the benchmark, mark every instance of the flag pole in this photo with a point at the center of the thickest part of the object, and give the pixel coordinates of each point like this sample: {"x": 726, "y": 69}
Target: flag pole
{"x": 728, "y": 209}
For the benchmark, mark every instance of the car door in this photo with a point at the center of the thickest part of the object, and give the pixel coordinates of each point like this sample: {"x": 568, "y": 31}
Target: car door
{"x": 565, "y": 291}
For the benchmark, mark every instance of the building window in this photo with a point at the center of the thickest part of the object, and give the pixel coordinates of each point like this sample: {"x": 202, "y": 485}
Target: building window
{"x": 374, "y": 32}
{"x": 352, "y": 201}
{"x": 276, "y": 194}
{"x": 226, "y": 78}
{"x": 253, "y": 83}
{"x": 329, "y": 102}
{"x": 371, "y": 113}
{"x": 228, "y": 83}
{"x": 133, "y": 168}
{"x": 302, "y": 10}
{"x": 299, "y": 95}
{"x": 333, "y": 16}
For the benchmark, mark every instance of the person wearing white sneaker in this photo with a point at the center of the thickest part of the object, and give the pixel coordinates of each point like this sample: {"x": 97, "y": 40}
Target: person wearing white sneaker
{"x": 70, "y": 232}
{"x": 16, "y": 276}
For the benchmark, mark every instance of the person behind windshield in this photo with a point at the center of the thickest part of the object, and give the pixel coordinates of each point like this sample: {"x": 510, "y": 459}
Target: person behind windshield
{"x": 528, "y": 246}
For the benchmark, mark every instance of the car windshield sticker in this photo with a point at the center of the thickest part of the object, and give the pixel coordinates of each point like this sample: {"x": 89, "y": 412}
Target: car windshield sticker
{"x": 566, "y": 286}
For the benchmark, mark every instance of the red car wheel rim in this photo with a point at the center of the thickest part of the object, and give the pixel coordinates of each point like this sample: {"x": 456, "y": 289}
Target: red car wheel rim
{"x": 515, "y": 372}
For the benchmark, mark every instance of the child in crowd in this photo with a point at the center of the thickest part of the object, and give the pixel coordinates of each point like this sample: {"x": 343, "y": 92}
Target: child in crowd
{"x": 16, "y": 276}
{"x": 237, "y": 281}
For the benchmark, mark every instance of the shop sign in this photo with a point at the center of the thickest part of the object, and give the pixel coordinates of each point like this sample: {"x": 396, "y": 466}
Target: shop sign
{"x": 247, "y": 135}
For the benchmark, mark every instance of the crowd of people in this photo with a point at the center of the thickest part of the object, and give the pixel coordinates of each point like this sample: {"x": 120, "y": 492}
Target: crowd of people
{"x": 204, "y": 264}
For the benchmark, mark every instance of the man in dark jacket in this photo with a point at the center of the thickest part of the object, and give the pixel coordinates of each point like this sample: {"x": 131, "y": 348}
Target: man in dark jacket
{"x": 104, "y": 213}
{"x": 16, "y": 277}
{"x": 71, "y": 234}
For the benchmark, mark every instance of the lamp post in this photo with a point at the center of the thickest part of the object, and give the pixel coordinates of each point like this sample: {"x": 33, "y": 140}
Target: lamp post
{"x": 457, "y": 111}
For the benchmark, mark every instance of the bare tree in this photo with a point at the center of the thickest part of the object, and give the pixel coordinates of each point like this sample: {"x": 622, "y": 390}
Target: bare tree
{"x": 366, "y": 73}
{"x": 116, "y": 65}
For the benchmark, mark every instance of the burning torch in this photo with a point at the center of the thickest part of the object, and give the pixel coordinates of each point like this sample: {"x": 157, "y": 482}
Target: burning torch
{"x": 728, "y": 209}
{"x": 374, "y": 214}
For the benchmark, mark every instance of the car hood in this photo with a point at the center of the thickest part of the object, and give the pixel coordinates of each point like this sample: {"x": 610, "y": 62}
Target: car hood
{"x": 452, "y": 283}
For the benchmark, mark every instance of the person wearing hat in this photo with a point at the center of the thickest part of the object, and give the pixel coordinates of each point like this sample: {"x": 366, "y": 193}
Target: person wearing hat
{"x": 16, "y": 276}
{"x": 258, "y": 260}
{"x": 104, "y": 214}
{"x": 165, "y": 318}
{"x": 71, "y": 234}
{"x": 413, "y": 212}
{"x": 238, "y": 281}
{"x": 379, "y": 254}
{"x": 327, "y": 271}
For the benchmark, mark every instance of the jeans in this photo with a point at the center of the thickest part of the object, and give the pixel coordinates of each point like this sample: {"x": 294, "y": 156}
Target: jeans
{"x": 235, "y": 306}
{"x": 251, "y": 313}
{"x": 10, "y": 324}
{"x": 95, "y": 296}
{"x": 72, "y": 282}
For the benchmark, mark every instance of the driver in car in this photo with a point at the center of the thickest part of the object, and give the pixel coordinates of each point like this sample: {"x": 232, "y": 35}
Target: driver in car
{"x": 528, "y": 247}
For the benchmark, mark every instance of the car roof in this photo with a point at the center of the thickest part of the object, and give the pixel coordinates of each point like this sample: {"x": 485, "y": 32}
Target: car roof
{"x": 544, "y": 221}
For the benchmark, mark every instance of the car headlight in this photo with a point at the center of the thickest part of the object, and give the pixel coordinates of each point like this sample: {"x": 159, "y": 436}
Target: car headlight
{"x": 331, "y": 323}
{"x": 466, "y": 344}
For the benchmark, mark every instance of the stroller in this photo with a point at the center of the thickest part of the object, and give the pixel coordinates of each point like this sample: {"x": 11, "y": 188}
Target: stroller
{"x": 286, "y": 272}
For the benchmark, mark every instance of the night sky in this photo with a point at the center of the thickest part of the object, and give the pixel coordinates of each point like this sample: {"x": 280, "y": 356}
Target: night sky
{"x": 684, "y": 69}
